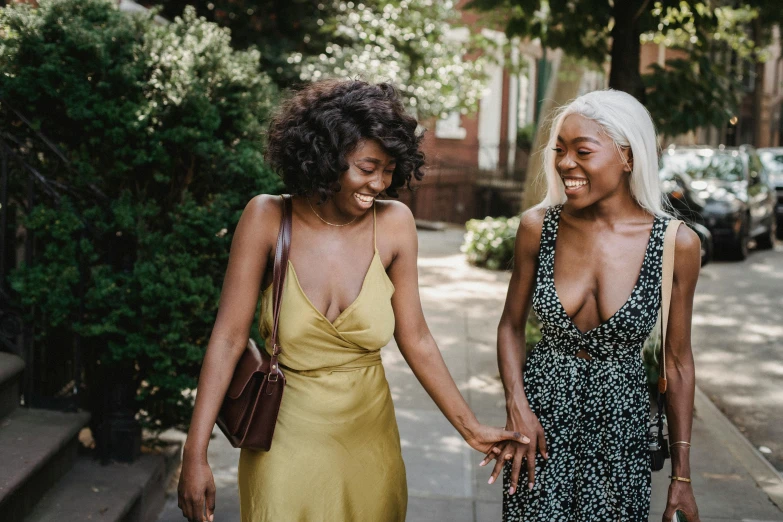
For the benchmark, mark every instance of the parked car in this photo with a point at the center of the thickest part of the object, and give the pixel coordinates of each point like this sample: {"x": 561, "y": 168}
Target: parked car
{"x": 738, "y": 202}
{"x": 688, "y": 206}
{"x": 772, "y": 158}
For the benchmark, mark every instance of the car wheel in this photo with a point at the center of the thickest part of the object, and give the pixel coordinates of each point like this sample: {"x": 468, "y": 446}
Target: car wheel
{"x": 766, "y": 241}
{"x": 738, "y": 248}
{"x": 779, "y": 228}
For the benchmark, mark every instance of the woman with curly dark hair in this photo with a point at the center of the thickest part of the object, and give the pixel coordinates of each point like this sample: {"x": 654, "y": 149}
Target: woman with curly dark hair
{"x": 352, "y": 283}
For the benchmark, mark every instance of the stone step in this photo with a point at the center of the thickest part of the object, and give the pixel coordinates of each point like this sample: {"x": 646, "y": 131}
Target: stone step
{"x": 116, "y": 492}
{"x": 11, "y": 367}
{"x": 37, "y": 447}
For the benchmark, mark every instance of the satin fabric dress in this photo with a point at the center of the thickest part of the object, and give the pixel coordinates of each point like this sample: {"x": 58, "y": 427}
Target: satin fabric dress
{"x": 335, "y": 454}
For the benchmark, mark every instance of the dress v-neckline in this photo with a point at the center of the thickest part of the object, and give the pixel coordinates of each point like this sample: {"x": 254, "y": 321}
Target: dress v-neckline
{"x": 342, "y": 315}
{"x": 627, "y": 301}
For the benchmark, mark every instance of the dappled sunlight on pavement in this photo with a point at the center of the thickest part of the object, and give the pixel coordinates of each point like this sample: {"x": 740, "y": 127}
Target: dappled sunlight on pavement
{"x": 738, "y": 344}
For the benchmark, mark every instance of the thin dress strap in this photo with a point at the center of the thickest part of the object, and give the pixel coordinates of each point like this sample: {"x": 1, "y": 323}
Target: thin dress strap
{"x": 549, "y": 230}
{"x": 374, "y": 229}
{"x": 546, "y": 251}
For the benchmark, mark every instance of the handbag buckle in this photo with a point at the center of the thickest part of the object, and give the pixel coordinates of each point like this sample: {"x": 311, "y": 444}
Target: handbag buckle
{"x": 274, "y": 376}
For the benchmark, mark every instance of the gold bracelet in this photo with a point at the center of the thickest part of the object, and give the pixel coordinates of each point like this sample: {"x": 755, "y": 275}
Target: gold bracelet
{"x": 683, "y": 442}
{"x": 681, "y": 479}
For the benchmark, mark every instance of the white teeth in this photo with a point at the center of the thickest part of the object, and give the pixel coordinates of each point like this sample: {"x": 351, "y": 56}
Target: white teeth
{"x": 573, "y": 183}
{"x": 364, "y": 199}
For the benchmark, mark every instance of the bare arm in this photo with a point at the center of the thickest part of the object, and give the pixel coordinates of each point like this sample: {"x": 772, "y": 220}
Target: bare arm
{"x": 511, "y": 329}
{"x": 250, "y": 248}
{"x": 417, "y": 344}
{"x": 680, "y": 369}
{"x": 511, "y": 353}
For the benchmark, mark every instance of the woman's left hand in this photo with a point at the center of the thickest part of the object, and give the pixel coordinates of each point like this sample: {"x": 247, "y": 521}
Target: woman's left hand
{"x": 482, "y": 437}
{"x": 681, "y": 499}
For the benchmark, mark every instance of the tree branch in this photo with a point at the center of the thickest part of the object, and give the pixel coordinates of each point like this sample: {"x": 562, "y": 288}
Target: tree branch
{"x": 642, "y": 8}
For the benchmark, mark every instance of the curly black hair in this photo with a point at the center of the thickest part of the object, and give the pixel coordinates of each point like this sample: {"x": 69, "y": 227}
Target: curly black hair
{"x": 315, "y": 128}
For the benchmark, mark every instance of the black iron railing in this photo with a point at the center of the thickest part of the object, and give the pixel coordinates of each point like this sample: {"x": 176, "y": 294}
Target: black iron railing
{"x": 52, "y": 376}
{"x": 62, "y": 371}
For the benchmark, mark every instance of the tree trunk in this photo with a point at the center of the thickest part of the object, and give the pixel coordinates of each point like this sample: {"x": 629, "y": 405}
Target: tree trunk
{"x": 627, "y": 48}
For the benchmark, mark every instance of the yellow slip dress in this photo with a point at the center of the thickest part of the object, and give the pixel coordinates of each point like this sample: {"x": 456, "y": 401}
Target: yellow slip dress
{"x": 335, "y": 455}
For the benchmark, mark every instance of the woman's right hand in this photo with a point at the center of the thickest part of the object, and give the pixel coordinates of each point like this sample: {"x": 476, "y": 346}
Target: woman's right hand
{"x": 196, "y": 490}
{"x": 524, "y": 421}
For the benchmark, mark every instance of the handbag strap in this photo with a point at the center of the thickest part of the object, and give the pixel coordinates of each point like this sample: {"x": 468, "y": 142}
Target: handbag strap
{"x": 669, "y": 243}
{"x": 278, "y": 279}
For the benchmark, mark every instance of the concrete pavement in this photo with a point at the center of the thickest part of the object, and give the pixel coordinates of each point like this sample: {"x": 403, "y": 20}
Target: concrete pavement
{"x": 738, "y": 345}
{"x": 445, "y": 483}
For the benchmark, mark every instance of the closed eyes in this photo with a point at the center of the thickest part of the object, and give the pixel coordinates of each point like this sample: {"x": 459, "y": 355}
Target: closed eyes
{"x": 386, "y": 172}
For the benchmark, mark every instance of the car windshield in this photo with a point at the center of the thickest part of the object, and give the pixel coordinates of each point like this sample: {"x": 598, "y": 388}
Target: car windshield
{"x": 773, "y": 161}
{"x": 703, "y": 164}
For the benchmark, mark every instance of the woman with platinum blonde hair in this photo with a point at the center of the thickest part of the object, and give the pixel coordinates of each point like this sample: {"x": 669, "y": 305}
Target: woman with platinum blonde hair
{"x": 588, "y": 261}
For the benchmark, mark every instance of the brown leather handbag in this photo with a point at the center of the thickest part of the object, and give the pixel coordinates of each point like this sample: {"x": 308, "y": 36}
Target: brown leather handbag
{"x": 249, "y": 411}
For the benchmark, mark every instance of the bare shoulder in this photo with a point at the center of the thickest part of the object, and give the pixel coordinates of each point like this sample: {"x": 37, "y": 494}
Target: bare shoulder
{"x": 531, "y": 223}
{"x": 687, "y": 252}
{"x": 394, "y": 212}
{"x": 265, "y": 210}
{"x": 265, "y": 206}
{"x": 396, "y": 218}
{"x": 261, "y": 217}
{"x": 687, "y": 243}
{"x": 532, "y": 219}
{"x": 396, "y": 228}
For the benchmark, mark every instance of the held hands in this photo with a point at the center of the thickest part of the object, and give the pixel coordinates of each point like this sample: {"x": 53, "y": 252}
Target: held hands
{"x": 196, "y": 491}
{"x": 482, "y": 438}
{"x": 681, "y": 499}
{"x": 524, "y": 421}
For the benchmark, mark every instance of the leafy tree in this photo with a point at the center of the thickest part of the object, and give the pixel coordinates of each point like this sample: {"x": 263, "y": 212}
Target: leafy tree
{"x": 277, "y": 28}
{"x": 410, "y": 42}
{"x": 712, "y": 38}
{"x": 600, "y": 29}
{"x": 159, "y": 129}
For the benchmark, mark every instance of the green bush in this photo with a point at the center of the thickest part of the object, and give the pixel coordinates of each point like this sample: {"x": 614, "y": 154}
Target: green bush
{"x": 489, "y": 242}
{"x": 161, "y": 130}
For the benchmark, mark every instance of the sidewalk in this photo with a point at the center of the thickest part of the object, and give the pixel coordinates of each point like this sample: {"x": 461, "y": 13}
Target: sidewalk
{"x": 445, "y": 483}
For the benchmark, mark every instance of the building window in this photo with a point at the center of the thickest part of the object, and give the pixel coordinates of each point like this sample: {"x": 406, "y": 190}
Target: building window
{"x": 449, "y": 128}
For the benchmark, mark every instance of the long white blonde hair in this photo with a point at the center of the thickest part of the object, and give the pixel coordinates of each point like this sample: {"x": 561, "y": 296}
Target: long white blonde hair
{"x": 628, "y": 124}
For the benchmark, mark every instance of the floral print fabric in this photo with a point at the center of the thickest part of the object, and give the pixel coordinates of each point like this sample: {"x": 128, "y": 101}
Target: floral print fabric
{"x": 594, "y": 412}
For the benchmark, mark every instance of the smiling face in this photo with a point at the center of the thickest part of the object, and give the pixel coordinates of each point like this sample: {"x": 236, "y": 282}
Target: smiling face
{"x": 588, "y": 162}
{"x": 369, "y": 173}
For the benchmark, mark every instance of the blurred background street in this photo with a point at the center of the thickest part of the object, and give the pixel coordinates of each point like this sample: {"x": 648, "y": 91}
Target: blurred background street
{"x": 132, "y": 134}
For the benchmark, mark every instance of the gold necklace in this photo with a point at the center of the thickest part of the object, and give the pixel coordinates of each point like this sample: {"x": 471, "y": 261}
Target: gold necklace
{"x": 322, "y": 219}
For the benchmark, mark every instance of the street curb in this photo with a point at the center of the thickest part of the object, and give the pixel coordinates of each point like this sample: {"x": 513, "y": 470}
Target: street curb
{"x": 723, "y": 430}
